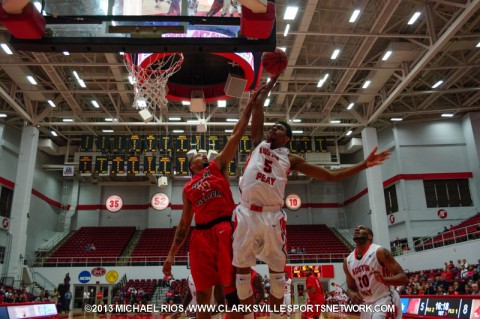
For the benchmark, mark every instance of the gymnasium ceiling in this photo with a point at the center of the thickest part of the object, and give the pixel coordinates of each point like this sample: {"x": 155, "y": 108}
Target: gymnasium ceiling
{"x": 443, "y": 44}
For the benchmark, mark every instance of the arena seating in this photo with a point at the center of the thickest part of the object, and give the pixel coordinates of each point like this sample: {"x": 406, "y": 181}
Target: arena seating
{"x": 465, "y": 230}
{"x": 147, "y": 285}
{"x": 315, "y": 239}
{"x": 154, "y": 245}
{"x": 109, "y": 243}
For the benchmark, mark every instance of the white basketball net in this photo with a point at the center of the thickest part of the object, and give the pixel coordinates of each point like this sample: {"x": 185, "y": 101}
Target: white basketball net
{"x": 150, "y": 84}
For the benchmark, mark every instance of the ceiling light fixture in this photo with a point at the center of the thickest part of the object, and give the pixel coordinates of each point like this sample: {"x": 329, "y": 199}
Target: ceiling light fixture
{"x": 322, "y": 80}
{"x": 354, "y": 15}
{"x": 284, "y": 49}
{"x": 287, "y": 28}
{"x": 350, "y": 106}
{"x": 51, "y": 103}
{"x": 335, "y": 54}
{"x": 228, "y": 131}
{"x": 436, "y": 85}
{"x": 6, "y": 49}
{"x": 349, "y": 133}
{"x": 478, "y": 45}
{"x": 335, "y": 121}
{"x": 386, "y": 55}
{"x": 366, "y": 84}
{"x": 267, "y": 103}
{"x": 297, "y": 132}
{"x": 31, "y": 80}
{"x": 222, "y": 103}
{"x": 296, "y": 120}
{"x": 185, "y": 103}
{"x": 232, "y": 120}
{"x": 290, "y": 13}
{"x": 3, "y": 115}
{"x": 107, "y": 131}
{"x": 95, "y": 103}
{"x": 174, "y": 118}
{"x": 108, "y": 119}
{"x": 53, "y": 133}
{"x": 413, "y": 18}
{"x": 193, "y": 121}
{"x": 178, "y": 131}
{"x": 396, "y": 119}
{"x": 66, "y": 53}
{"x": 447, "y": 115}
{"x": 67, "y": 120}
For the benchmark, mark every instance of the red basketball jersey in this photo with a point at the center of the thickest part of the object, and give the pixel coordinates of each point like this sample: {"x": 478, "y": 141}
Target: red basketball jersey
{"x": 315, "y": 297}
{"x": 210, "y": 194}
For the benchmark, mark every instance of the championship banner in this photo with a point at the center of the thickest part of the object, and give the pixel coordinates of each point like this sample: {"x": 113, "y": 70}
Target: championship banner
{"x": 101, "y": 165}
{"x": 85, "y": 166}
{"x": 320, "y": 144}
{"x": 181, "y": 144}
{"x": 86, "y": 143}
{"x": 165, "y": 166}
{"x": 214, "y": 143}
{"x": 150, "y": 143}
{"x": 165, "y": 144}
{"x": 232, "y": 168}
{"x": 245, "y": 145}
{"x": 118, "y": 165}
{"x": 119, "y": 144}
{"x": 103, "y": 143}
{"x": 135, "y": 144}
{"x": 197, "y": 142}
{"x": 181, "y": 165}
{"x": 149, "y": 164}
{"x": 133, "y": 165}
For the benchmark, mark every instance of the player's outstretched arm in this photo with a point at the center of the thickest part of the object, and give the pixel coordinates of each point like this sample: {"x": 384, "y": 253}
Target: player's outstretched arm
{"x": 386, "y": 259}
{"x": 180, "y": 234}
{"x": 298, "y": 163}
{"x": 352, "y": 291}
{"x": 257, "y": 6}
{"x": 258, "y": 100}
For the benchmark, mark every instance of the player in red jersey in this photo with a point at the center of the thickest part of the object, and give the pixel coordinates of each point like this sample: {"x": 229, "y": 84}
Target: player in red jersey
{"x": 315, "y": 295}
{"x": 208, "y": 197}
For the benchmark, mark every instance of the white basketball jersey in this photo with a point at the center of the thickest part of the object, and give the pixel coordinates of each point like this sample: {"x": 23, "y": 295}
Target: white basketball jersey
{"x": 265, "y": 176}
{"x": 288, "y": 286}
{"x": 362, "y": 272}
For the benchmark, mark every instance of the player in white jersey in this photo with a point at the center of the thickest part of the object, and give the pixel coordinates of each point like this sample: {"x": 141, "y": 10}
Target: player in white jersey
{"x": 260, "y": 222}
{"x": 287, "y": 294}
{"x": 371, "y": 272}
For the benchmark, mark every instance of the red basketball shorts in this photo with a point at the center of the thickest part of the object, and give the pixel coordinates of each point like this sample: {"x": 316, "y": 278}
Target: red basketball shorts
{"x": 211, "y": 256}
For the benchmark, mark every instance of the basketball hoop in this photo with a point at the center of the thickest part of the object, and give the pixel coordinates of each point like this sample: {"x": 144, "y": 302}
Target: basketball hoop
{"x": 149, "y": 74}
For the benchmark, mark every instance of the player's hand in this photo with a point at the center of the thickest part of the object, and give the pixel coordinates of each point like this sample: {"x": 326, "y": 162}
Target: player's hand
{"x": 378, "y": 276}
{"x": 377, "y": 159}
{"x": 167, "y": 268}
{"x": 355, "y": 297}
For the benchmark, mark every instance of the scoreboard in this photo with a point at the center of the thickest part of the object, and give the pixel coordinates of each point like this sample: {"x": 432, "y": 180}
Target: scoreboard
{"x": 462, "y": 307}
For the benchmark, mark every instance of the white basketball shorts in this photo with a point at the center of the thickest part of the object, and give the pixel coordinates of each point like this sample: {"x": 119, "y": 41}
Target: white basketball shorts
{"x": 259, "y": 235}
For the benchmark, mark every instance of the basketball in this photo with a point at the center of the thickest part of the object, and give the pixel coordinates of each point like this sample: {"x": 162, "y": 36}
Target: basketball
{"x": 274, "y": 62}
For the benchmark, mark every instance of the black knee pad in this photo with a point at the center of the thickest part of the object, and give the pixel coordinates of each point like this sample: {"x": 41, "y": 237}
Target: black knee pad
{"x": 232, "y": 299}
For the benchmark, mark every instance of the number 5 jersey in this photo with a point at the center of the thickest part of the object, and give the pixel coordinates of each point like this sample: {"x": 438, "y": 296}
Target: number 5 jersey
{"x": 265, "y": 176}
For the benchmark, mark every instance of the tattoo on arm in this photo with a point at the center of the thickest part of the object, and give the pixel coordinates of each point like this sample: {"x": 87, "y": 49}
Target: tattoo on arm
{"x": 180, "y": 236}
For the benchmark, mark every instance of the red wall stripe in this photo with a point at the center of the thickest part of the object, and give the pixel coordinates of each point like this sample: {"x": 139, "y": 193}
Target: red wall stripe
{"x": 386, "y": 183}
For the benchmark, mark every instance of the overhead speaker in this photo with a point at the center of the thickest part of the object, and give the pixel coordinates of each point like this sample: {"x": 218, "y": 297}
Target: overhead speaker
{"x": 197, "y": 101}
{"x": 202, "y": 126}
{"x": 146, "y": 115}
{"x": 162, "y": 181}
{"x": 235, "y": 85}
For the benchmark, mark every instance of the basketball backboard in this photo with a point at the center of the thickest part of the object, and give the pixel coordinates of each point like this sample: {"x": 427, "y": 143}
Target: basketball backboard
{"x": 143, "y": 25}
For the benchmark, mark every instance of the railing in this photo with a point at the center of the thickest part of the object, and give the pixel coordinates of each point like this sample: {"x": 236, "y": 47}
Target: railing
{"x": 449, "y": 237}
{"x": 159, "y": 260}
